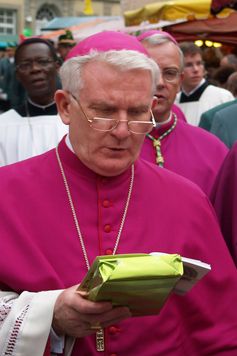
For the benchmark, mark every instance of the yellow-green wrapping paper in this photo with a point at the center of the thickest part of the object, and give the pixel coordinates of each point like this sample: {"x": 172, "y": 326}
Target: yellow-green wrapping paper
{"x": 141, "y": 282}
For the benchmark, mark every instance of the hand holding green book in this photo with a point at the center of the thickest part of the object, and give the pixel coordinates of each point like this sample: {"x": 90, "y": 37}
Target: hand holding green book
{"x": 142, "y": 282}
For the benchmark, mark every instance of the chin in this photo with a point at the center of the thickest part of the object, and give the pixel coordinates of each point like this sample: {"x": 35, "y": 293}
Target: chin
{"x": 113, "y": 169}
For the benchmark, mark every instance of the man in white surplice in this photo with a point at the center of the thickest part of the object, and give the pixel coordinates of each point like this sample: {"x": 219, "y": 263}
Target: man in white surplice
{"x": 34, "y": 126}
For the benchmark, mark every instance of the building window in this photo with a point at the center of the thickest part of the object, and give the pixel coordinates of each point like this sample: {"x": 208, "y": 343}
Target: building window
{"x": 44, "y": 15}
{"x": 107, "y": 9}
{"x": 7, "y": 22}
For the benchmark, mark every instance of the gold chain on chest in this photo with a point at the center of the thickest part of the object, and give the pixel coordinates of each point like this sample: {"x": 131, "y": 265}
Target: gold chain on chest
{"x": 157, "y": 143}
{"x": 75, "y": 216}
{"x": 100, "y": 342}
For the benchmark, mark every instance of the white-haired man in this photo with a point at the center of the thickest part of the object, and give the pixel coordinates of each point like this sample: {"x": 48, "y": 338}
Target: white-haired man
{"x": 174, "y": 144}
{"x": 93, "y": 196}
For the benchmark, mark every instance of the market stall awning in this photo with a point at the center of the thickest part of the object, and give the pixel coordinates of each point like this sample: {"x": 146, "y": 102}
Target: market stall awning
{"x": 6, "y": 39}
{"x": 218, "y": 5}
{"x": 223, "y": 30}
{"x": 87, "y": 28}
{"x": 59, "y": 23}
{"x": 171, "y": 11}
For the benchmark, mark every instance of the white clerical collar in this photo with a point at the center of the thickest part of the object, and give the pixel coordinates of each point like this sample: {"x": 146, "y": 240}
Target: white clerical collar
{"x": 68, "y": 143}
{"x": 193, "y": 91}
{"x": 40, "y": 106}
{"x": 159, "y": 124}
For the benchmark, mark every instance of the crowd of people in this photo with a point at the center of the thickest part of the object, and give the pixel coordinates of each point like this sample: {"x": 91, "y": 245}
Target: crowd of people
{"x": 116, "y": 145}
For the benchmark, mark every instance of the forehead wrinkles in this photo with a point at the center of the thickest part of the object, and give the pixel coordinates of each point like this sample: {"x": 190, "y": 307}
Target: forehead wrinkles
{"x": 165, "y": 55}
{"x": 109, "y": 82}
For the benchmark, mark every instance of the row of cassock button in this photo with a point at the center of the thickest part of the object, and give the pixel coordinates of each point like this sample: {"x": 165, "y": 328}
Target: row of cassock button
{"x": 113, "y": 330}
{"x": 107, "y": 228}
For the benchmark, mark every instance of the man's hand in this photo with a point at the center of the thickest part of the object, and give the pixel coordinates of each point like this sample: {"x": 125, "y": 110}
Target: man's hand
{"x": 74, "y": 315}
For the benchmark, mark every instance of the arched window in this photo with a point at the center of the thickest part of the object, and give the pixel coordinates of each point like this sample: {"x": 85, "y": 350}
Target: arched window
{"x": 44, "y": 15}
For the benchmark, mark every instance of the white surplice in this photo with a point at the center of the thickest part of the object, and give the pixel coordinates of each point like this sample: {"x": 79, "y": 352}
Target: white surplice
{"x": 24, "y": 137}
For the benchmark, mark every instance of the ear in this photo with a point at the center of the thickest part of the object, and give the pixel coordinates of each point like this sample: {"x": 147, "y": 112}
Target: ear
{"x": 63, "y": 101}
{"x": 181, "y": 77}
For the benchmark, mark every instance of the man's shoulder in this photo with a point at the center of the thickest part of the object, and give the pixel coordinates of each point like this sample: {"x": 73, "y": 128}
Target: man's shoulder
{"x": 224, "y": 125}
{"x": 198, "y": 135}
{"x": 9, "y": 117}
{"x": 221, "y": 106}
{"x": 26, "y": 169}
{"x": 230, "y": 110}
{"x": 158, "y": 179}
{"x": 213, "y": 89}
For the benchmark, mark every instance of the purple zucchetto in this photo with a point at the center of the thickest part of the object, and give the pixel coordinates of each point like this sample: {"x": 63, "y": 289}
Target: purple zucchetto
{"x": 146, "y": 34}
{"x": 105, "y": 41}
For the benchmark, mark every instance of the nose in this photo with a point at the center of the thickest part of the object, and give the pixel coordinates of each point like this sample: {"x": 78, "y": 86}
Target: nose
{"x": 161, "y": 81}
{"x": 121, "y": 131}
{"x": 195, "y": 66}
{"x": 35, "y": 65}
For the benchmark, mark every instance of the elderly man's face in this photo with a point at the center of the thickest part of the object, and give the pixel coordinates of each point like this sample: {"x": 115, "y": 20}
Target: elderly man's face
{"x": 167, "y": 56}
{"x": 107, "y": 93}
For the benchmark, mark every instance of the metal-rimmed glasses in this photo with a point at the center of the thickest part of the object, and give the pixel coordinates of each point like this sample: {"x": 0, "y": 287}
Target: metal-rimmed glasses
{"x": 40, "y": 62}
{"x": 106, "y": 124}
{"x": 170, "y": 75}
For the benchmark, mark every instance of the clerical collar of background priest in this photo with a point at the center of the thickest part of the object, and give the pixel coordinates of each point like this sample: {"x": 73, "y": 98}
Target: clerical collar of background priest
{"x": 40, "y": 106}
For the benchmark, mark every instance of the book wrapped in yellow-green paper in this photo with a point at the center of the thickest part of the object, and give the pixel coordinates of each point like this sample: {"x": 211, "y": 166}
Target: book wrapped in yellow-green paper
{"x": 143, "y": 282}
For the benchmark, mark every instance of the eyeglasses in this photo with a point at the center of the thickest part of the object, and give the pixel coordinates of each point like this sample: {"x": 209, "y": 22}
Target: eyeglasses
{"x": 40, "y": 62}
{"x": 106, "y": 124}
{"x": 170, "y": 75}
{"x": 190, "y": 65}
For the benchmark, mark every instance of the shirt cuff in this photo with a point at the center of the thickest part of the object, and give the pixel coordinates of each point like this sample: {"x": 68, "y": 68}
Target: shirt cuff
{"x": 56, "y": 342}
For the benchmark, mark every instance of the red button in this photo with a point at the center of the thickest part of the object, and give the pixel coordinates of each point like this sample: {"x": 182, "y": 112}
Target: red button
{"x": 108, "y": 252}
{"x": 106, "y": 203}
{"x": 107, "y": 228}
{"x": 113, "y": 330}
{"x": 113, "y": 354}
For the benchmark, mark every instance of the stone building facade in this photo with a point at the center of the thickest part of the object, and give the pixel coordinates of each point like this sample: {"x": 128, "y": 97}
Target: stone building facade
{"x": 40, "y": 12}
{"x": 32, "y": 15}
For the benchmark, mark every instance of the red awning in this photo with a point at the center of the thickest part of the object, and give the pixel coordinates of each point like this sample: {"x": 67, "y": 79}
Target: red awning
{"x": 222, "y": 30}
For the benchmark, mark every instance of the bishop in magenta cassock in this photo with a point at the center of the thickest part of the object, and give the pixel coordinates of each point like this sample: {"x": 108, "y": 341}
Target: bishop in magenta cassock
{"x": 63, "y": 208}
{"x": 174, "y": 144}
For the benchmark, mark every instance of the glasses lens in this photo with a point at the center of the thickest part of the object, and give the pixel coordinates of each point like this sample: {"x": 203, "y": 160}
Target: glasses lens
{"x": 140, "y": 127}
{"x": 102, "y": 124}
{"x": 43, "y": 62}
{"x": 170, "y": 75}
{"x": 23, "y": 66}
{"x": 40, "y": 62}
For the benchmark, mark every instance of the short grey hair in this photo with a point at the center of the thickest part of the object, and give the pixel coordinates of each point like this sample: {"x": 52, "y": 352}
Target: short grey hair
{"x": 124, "y": 60}
{"x": 158, "y": 38}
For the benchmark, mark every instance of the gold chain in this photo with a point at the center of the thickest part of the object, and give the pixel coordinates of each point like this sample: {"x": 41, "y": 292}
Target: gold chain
{"x": 157, "y": 142}
{"x": 75, "y": 216}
